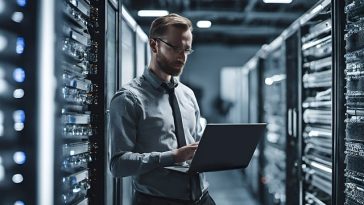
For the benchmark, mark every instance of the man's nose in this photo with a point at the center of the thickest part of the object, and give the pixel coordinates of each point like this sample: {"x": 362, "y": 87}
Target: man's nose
{"x": 182, "y": 56}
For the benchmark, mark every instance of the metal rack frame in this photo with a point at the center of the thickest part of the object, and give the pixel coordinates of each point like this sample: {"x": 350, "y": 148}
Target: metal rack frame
{"x": 338, "y": 100}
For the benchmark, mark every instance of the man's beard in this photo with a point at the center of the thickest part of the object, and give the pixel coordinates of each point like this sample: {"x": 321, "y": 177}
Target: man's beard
{"x": 166, "y": 66}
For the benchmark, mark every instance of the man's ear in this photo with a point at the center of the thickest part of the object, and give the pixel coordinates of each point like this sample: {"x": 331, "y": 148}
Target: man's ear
{"x": 153, "y": 45}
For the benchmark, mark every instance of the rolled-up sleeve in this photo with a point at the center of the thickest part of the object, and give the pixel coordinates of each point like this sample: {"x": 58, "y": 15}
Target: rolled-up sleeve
{"x": 124, "y": 111}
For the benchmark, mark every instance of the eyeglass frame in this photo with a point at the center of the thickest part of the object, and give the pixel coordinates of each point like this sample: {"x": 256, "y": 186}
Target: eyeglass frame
{"x": 176, "y": 48}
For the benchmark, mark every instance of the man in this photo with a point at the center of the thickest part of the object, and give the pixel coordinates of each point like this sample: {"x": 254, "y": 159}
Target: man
{"x": 154, "y": 122}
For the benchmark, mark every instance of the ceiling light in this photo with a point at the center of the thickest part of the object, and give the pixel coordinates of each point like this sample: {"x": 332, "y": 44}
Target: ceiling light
{"x": 204, "y": 24}
{"x": 152, "y": 13}
{"x": 277, "y": 1}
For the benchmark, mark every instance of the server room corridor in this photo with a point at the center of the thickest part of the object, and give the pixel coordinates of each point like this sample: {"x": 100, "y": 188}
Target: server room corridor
{"x": 293, "y": 67}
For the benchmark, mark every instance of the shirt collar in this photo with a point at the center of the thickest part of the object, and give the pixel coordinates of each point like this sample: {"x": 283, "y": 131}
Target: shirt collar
{"x": 157, "y": 82}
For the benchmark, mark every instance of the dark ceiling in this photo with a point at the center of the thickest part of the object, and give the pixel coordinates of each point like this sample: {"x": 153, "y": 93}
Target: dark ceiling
{"x": 233, "y": 21}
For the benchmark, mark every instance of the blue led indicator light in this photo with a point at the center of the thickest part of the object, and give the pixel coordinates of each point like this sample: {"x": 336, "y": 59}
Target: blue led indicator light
{"x": 21, "y": 3}
{"x": 19, "y": 116}
{"x": 20, "y": 44}
{"x": 19, "y": 75}
{"x": 19, "y": 157}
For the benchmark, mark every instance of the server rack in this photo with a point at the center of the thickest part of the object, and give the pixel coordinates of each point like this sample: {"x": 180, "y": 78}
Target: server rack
{"x": 53, "y": 144}
{"x": 112, "y": 53}
{"x": 19, "y": 114}
{"x": 324, "y": 122}
{"x": 253, "y": 68}
{"x": 127, "y": 54}
{"x": 354, "y": 106}
{"x": 134, "y": 49}
{"x": 127, "y": 72}
{"x": 252, "y": 171}
{"x": 292, "y": 163}
{"x": 338, "y": 99}
{"x": 315, "y": 131}
{"x": 274, "y": 109}
{"x": 278, "y": 154}
{"x": 80, "y": 34}
{"x": 315, "y": 106}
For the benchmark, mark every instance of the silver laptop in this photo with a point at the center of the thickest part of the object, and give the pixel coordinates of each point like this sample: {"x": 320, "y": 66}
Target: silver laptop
{"x": 224, "y": 147}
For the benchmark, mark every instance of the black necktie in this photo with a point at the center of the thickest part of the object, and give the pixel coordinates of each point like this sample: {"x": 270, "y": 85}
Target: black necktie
{"x": 181, "y": 140}
{"x": 178, "y": 125}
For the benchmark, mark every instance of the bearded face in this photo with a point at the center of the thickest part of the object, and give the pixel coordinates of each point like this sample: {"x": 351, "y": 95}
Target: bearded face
{"x": 170, "y": 66}
{"x": 173, "y": 49}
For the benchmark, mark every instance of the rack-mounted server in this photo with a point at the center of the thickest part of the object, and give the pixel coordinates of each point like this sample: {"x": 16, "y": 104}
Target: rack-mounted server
{"x": 316, "y": 108}
{"x": 80, "y": 102}
{"x": 354, "y": 96}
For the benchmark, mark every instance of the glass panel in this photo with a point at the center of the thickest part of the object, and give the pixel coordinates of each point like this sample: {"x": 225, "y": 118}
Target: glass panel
{"x": 127, "y": 53}
{"x": 111, "y": 55}
{"x": 110, "y": 75}
{"x": 140, "y": 55}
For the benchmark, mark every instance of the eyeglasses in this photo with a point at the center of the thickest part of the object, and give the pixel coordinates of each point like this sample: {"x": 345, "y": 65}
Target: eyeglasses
{"x": 176, "y": 48}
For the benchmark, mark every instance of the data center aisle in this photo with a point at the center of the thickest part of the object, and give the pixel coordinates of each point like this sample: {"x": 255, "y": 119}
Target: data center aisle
{"x": 229, "y": 188}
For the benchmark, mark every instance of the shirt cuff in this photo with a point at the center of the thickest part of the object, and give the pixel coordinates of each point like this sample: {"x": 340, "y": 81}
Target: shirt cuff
{"x": 166, "y": 158}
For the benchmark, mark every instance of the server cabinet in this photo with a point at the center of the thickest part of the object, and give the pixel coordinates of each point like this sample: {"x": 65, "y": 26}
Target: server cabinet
{"x": 315, "y": 88}
{"x": 292, "y": 169}
{"x": 354, "y": 102}
{"x": 252, "y": 171}
{"x": 279, "y": 156}
{"x": 112, "y": 53}
{"x": 253, "y": 67}
{"x": 338, "y": 99}
{"x": 80, "y": 121}
{"x": 274, "y": 109}
{"x": 260, "y": 117}
{"x": 324, "y": 105}
{"x": 128, "y": 70}
{"x": 19, "y": 113}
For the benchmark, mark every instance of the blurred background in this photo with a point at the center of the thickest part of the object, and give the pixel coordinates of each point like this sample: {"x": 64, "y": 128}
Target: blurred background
{"x": 238, "y": 30}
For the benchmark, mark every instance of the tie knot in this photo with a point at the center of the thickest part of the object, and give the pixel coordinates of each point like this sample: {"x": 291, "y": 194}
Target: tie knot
{"x": 168, "y": 87}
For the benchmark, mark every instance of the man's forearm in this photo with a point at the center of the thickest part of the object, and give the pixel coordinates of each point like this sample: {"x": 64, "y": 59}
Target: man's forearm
{"x": 129, "y": 163}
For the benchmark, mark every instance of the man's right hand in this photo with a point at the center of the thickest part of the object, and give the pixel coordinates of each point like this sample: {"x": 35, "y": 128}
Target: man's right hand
{"x": 185, "y": 153}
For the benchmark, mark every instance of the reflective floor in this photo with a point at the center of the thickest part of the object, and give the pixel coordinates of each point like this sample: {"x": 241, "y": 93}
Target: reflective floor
{"x": 228, "y": 188}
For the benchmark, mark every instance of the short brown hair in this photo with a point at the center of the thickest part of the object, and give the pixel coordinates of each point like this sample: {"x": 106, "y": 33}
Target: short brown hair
{"x": 161, "y": 24}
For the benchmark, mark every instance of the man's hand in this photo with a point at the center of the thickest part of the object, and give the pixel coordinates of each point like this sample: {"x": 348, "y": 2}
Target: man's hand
{"x": 185, "y": 153}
